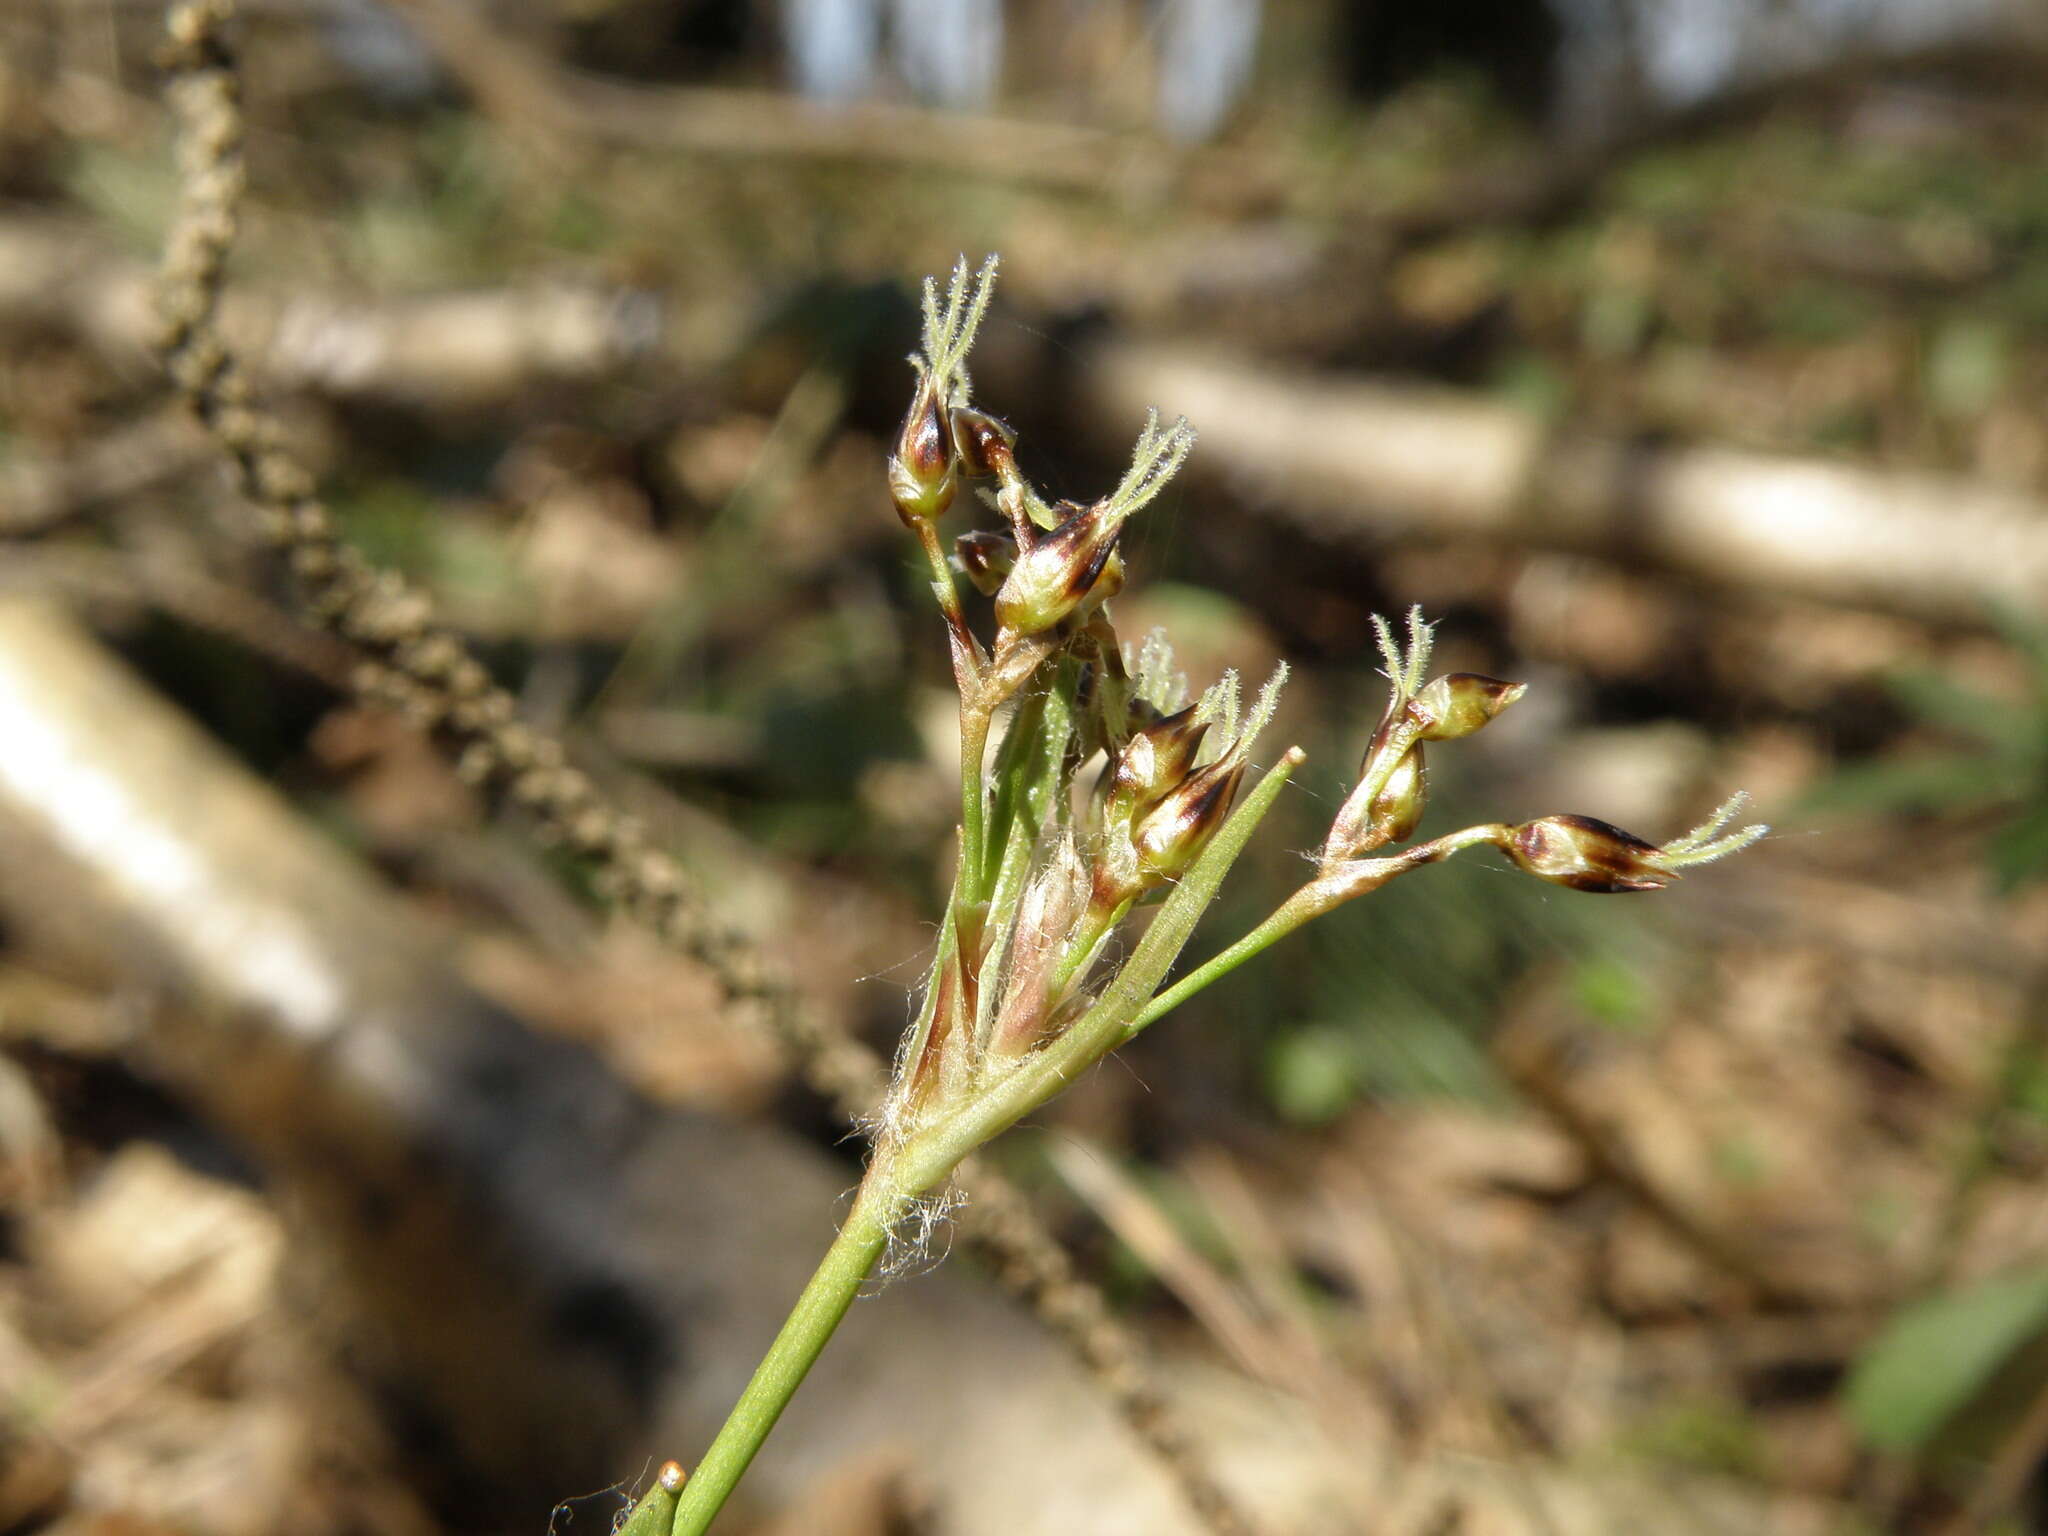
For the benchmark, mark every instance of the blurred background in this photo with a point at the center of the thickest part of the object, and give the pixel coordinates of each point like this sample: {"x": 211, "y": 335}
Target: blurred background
{"x": 1684, "y": 358}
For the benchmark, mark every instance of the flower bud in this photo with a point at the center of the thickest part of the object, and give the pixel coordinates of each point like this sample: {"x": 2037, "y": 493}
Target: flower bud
{"x": 1172, "y": 835}
{"x": 1053, "y": 577}
{"x": 1154, "y": 760}
{"x": 921, "y": 477}
{"x": 985, "y": 444}
{"x": 987, "y": 557}
{"x": 1587, "y": 855}
{"x": 1459, "y": 703}
{"x": 1396, "y": 811}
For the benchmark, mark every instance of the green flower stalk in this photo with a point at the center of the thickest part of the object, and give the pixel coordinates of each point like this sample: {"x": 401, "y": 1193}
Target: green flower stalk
{"x": 1031, "y": 984}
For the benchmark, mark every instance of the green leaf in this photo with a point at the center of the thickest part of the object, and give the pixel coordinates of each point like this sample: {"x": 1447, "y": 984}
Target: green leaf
{"x": 1935, "y": 1355}
{"x": 2019, "y": 852}
{"x": 1966, "y": 711}
{"x": 2029, "y": 636}
{"x": 1968, "y": 361}
{"x": 1612, "y": 991}
{"x": 1937, "y": 781}
{"x": 2026, "y": 1082}
{"x": 1310, "y": 1075}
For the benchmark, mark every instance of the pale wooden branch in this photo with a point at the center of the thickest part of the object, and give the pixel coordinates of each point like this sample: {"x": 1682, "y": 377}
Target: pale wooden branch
{"x": 475, "y": 1183}
{"x": 450, "y": 350}
{"x": 1358, "y": 461}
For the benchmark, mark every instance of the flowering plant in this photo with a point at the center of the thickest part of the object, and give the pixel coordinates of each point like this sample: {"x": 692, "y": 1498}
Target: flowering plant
{"x": 1029, "y": 986}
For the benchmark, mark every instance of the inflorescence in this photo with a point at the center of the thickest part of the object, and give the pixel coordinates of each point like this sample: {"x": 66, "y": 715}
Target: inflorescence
{"x": 1029, "y": 973}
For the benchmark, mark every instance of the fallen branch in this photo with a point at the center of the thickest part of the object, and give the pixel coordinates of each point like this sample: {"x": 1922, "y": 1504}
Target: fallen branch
{"x": 480, "y": 1186}
{"x": 449, "y": 350}
{"x": 1356, "y": 462}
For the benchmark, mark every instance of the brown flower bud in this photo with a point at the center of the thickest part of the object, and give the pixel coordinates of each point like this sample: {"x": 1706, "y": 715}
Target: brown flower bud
{"x": 1172, "y": 835}
{"x": 985, "y": 444}
{"x": 987, "y": 557}
{"x": 1459, "y": 703}
{"x": 1587, "y": 855}
{"x": 921, "y": 473}
{"x": 1052, "y": 578}
{"x": 1154, "y": 760}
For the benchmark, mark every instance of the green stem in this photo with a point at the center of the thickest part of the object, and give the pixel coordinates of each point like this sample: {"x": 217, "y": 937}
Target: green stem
{"x": 789, "y": 1359}
{"x": 655, "y": 1512}
{"x": 968, "y": 677}
{"x": 1012, "y": 665}
{"x": 974, "y": 722}
{"x": 1337, "y": 885}
{"x": 903, "y": 1172}
{"x": 944, "y": 588}
{"x": 1014, "y": 763}
{"x": 1304, "y": 906}
{"x": 935, "y": 1151}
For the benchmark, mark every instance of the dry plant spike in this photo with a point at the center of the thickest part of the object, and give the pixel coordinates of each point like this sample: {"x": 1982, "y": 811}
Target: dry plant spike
{"x": 415, "y": 662}
{"x": 429, "y": 673}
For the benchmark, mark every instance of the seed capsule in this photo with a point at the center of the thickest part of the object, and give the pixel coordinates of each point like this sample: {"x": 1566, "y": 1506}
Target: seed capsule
{"x": 1396, "y": 811}
{"x": 987, "y": 557}
{"x": 1155, "y": 759}
{"x": 1459, "y": 703}
{"x": 986, "y": 445}
{"x": 1172, "y": 835}
{"x": 1055, "y": 575}
{"x": 1587, "y": 855}
{"x": 921, "y": 472}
